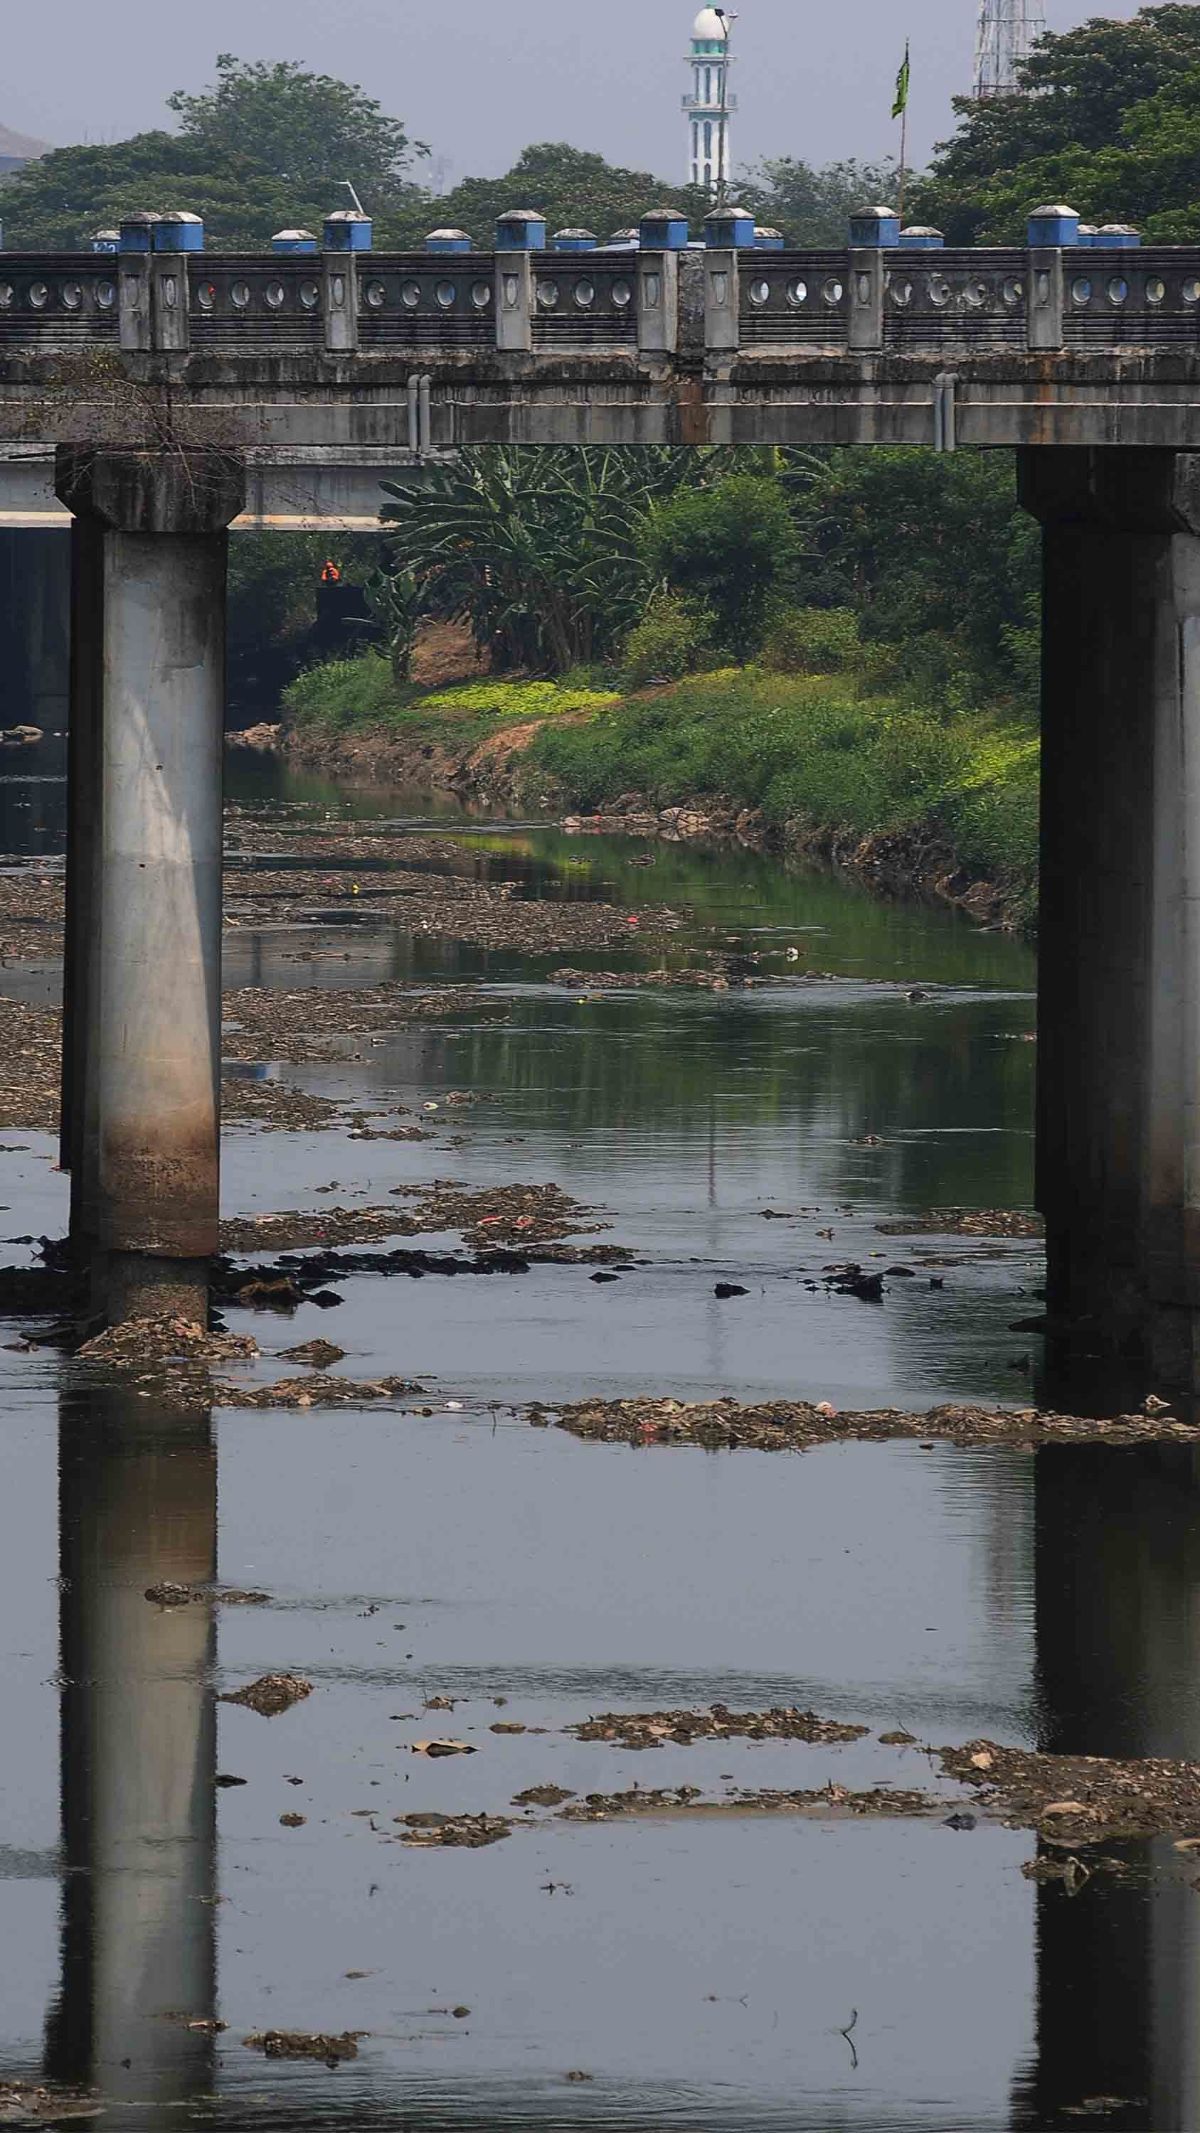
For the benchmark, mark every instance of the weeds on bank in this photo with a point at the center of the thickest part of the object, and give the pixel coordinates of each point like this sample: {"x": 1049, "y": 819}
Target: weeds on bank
{"x": 813, "y": 749}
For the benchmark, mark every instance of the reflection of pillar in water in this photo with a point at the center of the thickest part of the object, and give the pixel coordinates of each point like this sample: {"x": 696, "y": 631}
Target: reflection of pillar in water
{"x": 1118, "y": 1634}
{"x": 138, "y": 1501}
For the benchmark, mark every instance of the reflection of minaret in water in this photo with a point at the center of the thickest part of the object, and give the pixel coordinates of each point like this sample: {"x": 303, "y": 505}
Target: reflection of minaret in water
{"x": 1118, "y": 1633}
{"x": 138, "y": 1501}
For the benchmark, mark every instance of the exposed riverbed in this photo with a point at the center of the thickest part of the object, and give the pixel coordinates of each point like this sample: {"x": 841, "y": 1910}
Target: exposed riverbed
{"x": 434, "y": 1861}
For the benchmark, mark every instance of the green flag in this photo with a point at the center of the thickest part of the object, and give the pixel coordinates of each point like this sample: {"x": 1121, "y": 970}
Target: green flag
{"x": 901, "y": 104}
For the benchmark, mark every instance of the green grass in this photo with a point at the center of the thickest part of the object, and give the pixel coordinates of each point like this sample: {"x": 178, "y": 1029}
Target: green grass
{"x": 349, "y": 695}
{"x": 812, "y": 749}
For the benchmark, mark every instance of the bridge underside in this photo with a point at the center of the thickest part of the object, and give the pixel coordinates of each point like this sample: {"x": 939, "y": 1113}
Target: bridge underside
{"x": 324, "y": 411}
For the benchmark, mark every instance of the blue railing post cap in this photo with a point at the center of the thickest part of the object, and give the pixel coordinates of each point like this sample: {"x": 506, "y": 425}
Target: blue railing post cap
{"x": 729, "y": 228}
{"x": 293, "y": 241}
{"x": 575, "y": 241}
{"x": 874, "y": 226}
{"x": 1052, "y": 226}
{"x": 136, "y": 233}
{"x": 448, "y": 240}
{"x": 1112, "y": 235}
{"x": 179, "y": 231}
{"x": 1086, "y": 233}
{"x": 105, "y": 240}
{"x": 661, "y": 229}
{"x": 522, "y": 229}
{"x": 768, "y": 240}
{"x": 346, "y": 230}
{"x": 623, "y": 241}
{"x": 922, "y": 237}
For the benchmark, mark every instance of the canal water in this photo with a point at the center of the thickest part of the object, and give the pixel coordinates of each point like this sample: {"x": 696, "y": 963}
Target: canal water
{"x": 642, "y": 1972}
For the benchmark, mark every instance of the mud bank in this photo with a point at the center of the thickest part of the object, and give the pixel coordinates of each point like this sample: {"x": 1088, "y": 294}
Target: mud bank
{"x": 724, "y": 1425}
{"x": 496, "y": 773}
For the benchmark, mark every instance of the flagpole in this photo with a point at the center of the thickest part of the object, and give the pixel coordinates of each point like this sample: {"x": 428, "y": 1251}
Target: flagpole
{"x": 900, "y": 111}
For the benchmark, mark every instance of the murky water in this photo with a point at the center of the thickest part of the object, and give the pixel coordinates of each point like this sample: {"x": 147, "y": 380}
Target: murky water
{"x": 713, "y": 1972}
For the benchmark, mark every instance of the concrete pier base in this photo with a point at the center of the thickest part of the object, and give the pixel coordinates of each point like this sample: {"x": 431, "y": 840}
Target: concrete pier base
{"x": 1118, "y": 1166}
{"x": 143, "y": 988}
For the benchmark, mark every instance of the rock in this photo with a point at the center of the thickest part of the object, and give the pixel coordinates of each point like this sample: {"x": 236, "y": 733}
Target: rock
{"x": 262, "y": 737}
{"x": 272, "y": 1695}
{"x": 297, "y": 2044}
{"x": 319, "y": 1355}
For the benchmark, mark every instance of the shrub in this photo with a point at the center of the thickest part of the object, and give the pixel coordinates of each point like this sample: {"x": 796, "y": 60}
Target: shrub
{"x": 812, "y": 640}
{"x": 671, "y": 640}
{"x": 344, "y": 692}
{"x": 728, "y": 547}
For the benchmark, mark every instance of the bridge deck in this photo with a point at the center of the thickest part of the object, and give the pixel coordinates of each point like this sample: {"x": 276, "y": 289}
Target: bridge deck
{"x": 286, "y": 356}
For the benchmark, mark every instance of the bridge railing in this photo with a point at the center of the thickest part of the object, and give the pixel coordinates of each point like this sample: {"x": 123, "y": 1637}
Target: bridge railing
{"x": 241, "y": 300}
{"x": 893, "y": 300}
{"x": 1132, "y": 298}
{"x": 57, "y": 300}
{"x": 954, "y": 299}
{"x": 793, "y": 299}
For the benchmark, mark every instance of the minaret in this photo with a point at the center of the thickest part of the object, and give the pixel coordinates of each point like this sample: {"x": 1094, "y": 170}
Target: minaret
{"x": 709, "y": 104}
{"x": 1004, "y": 37}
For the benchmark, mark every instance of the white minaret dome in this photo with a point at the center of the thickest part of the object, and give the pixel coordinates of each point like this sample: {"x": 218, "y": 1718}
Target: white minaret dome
{"x": 708, "y": 24}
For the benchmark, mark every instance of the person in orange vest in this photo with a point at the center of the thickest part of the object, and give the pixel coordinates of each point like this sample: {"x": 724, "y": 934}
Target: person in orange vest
{"x": 331, "y": 575}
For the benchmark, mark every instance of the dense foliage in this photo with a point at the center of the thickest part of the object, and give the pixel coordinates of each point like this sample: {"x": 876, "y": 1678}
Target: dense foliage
{"x": 542, "y": 551}
{"x": 571, "y": 187}
{"x": 814, "y": 751}
{"x": 1110, "y": 124}
{"x": 728, "y": 548}
{"x": 265, "y": 147}
{"x": 935, "y": 558}
{"x": 812, "y": 204}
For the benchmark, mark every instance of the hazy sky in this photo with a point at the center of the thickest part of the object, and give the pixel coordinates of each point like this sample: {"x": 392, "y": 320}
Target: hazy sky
{"x": 478, "y": 80}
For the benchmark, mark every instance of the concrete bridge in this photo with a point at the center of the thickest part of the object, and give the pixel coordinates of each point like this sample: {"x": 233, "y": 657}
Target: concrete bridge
{"x": 154, "y": 396}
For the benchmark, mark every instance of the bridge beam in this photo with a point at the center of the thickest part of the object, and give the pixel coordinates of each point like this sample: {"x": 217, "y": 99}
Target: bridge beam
{"x": 1119, "y": 985}
{"x": 143, "y": 979}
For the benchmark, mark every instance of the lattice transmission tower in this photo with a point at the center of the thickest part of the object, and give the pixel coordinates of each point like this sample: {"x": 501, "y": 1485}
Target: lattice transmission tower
{"x": 1003, "y": 39}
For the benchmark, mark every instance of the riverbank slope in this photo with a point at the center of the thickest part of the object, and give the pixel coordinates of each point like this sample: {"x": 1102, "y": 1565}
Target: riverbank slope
{"x": 807, "y": 763}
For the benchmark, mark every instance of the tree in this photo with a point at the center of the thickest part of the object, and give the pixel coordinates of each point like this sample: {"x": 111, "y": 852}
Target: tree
{"x": 1110, "y": 122}
{"x": 729, "y": 549}
{"x": 937, "y": 558}
{"x": 571, "y": 187}
{"x": 265, "y": 147}
{"x": 811, "y": 205}
{"x": 540, "y": 549}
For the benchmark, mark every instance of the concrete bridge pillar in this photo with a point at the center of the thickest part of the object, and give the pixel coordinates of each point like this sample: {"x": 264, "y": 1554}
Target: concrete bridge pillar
{"x": 1118, "y": 1175}
{"x": 143, "y": 979}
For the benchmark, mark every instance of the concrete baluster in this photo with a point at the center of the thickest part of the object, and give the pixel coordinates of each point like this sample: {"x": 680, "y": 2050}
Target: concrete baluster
{"x": 1050, "y": 229}
{"x": 339, "y": 301}
{"x": 866, "y": 298}
{"x": 722, "y": 303}
{"x": 514, "y": 302}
